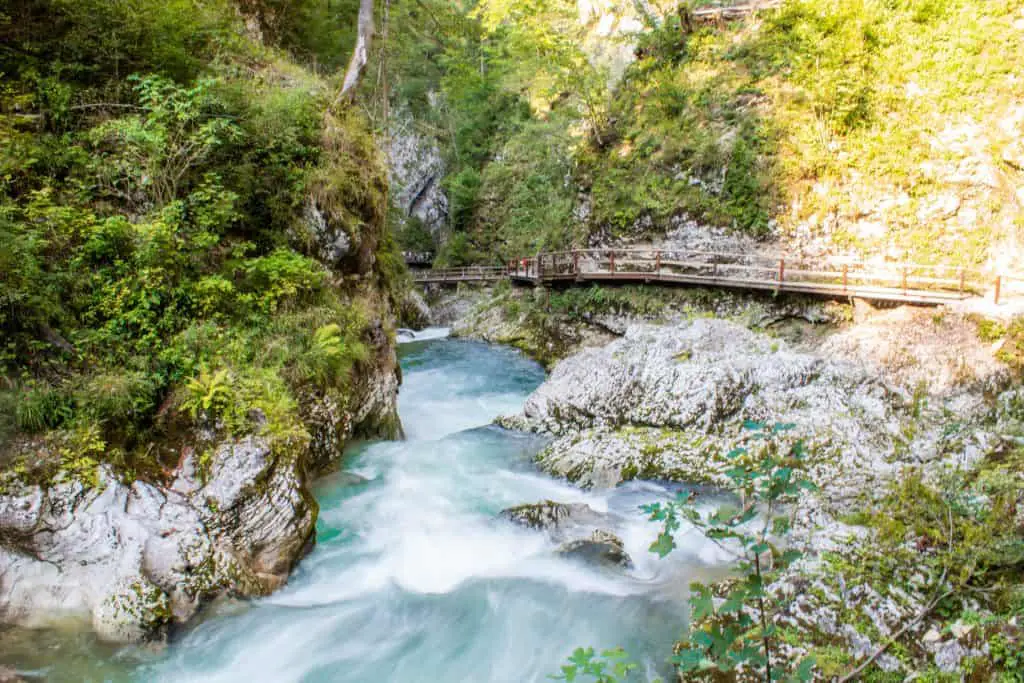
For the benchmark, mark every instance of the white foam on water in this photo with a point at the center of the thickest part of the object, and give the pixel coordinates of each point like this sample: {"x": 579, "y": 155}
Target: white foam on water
{"x": 426, "y": 334}
{"x": 418, "y": 579}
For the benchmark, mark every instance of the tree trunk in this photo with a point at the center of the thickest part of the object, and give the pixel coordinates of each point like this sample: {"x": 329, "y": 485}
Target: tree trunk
{"x": 361, "y": 53}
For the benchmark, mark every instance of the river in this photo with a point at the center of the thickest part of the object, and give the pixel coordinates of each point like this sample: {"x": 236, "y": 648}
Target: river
{"x": 414, "y": 578}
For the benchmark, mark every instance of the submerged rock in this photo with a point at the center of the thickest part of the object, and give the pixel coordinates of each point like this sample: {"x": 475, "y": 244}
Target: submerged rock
{"x": 576, "y": 527}
{"x": 135, "y": 558}
{"x": 550, "y": 516}
{"x": 602, "y": 547}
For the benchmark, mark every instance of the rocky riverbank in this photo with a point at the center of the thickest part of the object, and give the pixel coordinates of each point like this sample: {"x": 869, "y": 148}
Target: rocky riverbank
{"x": 133, "y": 558}
{"x": 880, "y": 398}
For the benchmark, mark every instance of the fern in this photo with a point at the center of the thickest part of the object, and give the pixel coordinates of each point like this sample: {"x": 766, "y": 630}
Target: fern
{"x": 209, "y": 394}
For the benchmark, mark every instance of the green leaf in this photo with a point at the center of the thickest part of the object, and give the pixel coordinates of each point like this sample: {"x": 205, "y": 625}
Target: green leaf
{"x": 734, "y": 603}
{"x": 663, "y": 545}
{"x": 702, "y": 603}
{"x": 752, "y": 426}
{"x": 805, "y": 670}
{"x": 789, "y": 557}
{"x": 689, "y": 659}
{"x": 737, "y": 474}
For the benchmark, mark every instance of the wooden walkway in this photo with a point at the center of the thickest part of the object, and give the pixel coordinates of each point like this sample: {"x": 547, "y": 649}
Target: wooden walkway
{"x": 453, "y": 276}
{"x": 900, "y": 283}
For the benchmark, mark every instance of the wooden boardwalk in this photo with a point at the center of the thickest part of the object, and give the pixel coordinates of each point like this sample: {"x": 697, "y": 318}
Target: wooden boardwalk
{"x": 899, "y": 283}
{"x": 453, "y": 276}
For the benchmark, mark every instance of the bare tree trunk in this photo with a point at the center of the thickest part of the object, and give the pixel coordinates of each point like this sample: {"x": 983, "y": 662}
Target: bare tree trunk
{"x": 361, "y": 53}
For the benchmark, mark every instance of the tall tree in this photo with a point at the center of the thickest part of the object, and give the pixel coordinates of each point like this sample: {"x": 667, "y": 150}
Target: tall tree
{"x": 361, "y": 53}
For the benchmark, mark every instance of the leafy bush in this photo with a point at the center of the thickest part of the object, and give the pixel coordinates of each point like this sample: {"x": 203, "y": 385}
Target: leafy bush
{"x": 40, "y": 407}
{"x": 330, "y": 356}
{"x": 152, "y": 156}
{"x": 119, "y": 398}
{"x": 209, "y": 395}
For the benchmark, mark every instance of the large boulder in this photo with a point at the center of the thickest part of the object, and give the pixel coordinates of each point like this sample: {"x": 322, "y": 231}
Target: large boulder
{"x": 134, "y": 558}
{"x": 668, "y": 403}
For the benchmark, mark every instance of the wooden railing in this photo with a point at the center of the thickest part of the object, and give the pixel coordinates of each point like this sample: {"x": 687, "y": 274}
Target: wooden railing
{"x": 467, "y": 274}
{"x": 902, "y": 282}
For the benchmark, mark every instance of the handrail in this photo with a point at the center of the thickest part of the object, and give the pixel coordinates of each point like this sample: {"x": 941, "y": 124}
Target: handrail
{"x": 829, "y": 275}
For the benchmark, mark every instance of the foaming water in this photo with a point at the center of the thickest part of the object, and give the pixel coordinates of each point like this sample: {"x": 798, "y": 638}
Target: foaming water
{"x": 415, "y": 579}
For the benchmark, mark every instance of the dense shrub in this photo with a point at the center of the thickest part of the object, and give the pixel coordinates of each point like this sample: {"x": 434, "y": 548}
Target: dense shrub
{"x": 155, "y": 272}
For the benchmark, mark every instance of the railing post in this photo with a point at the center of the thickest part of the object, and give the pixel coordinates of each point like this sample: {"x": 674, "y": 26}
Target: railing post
{"x": 999, "y": 287}
{"x": 657, "y": 263}
{"x": 782, "y": 270}
{"x": 904, "y": 280}
{"x": 846, "y": 276}
{"x": 611, "y": 261}
{"x": 576, "y": 262}
{"x": 961, "y": 281}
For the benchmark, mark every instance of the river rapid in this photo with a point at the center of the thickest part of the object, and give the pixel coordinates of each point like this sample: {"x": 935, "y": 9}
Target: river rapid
{"x": 414, "y": 579}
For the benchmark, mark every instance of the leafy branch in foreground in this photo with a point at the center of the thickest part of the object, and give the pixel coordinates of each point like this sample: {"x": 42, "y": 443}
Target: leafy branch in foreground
{"x": 736, "y": 634}
{"x": 611, "y": 666}
{"x": 739, "y": 634}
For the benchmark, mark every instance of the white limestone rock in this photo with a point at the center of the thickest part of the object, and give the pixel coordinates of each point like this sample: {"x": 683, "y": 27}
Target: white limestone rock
{"x": 132, "y": 559}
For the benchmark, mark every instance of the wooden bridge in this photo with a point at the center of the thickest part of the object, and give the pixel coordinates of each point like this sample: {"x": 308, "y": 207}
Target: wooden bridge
{"x": 899, "y": 282}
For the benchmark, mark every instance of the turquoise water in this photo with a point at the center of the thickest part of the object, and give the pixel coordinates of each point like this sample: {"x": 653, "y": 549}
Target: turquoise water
{"x": 414, "y": 579}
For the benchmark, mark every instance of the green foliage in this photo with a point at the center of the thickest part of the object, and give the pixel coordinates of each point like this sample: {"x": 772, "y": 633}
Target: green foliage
{"x": 1009, "y": 657}
{"x": 208, "y": 395}
{"x": 40, "y": 407}
{"x": 149, "y": 156}
{"x": 740, "y": 631}
{"x": 413, "y": 235}
{"x": 319, "y": 34}
{"x": 156, "y": 269}
{"x": 960, "y": 527}
{"x": 612, "y": 666}
{"x": 330, "y": 356}
{"x": 463, "y": 189}
{"x": 579, "y": 304}
{"x": 525, "y": 201}
{"x": 457, "y": 251}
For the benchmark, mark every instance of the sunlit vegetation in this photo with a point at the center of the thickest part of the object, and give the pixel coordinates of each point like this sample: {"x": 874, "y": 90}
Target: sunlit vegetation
{"x": 157, "y": 271}
{"x": 820, "y": 111}
{"x": 876, "y": 125}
